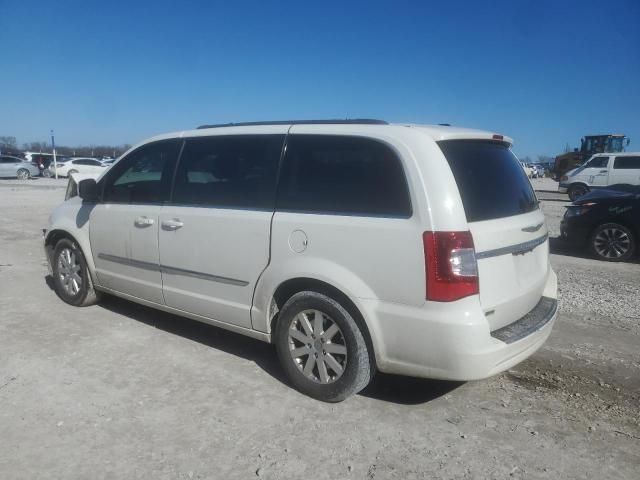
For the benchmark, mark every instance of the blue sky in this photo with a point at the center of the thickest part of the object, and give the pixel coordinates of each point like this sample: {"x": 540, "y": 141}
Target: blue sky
{"x": 544, "y": 72}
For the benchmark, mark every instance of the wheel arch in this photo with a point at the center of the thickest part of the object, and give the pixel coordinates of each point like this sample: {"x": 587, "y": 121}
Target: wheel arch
{"x": 55, "y": 235}
{"x": 290, "y": 287}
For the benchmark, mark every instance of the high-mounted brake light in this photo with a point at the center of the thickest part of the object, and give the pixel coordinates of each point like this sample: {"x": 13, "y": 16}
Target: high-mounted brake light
{"x": 450, "y": 266}
{"x": 498, "y": 137}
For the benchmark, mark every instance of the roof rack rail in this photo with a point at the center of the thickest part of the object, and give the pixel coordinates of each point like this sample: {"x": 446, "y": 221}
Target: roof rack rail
{"x": 356, "y": 121}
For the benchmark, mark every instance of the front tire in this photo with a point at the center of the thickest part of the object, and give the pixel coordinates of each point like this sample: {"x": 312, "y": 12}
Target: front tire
{"x": 576, "y": 191}
{"x": 612, "y": 242}
{"x": 321, "y": 347}
{"x": 23, "y": 174}
{"x": 71, "y": 277}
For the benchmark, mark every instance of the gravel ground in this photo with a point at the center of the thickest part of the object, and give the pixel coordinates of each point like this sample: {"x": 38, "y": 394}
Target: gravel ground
{"x": 122, "y": 391}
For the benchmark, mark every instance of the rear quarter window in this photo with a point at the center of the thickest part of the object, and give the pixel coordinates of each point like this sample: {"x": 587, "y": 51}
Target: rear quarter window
{"x": 333, "y": 174}
{"x": 491, "y": 181}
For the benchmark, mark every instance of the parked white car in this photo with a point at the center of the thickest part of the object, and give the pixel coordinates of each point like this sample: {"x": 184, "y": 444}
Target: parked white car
{"x": 528, "y": 170}
{"x": 360, "y": 246}
{"x": 78, "y": 165}
{"x": 600, "y": 171}
{"x": 14, "y": 167}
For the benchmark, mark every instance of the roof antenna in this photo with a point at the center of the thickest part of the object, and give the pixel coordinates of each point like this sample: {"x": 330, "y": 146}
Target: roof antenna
{"x": 445, "y": 124}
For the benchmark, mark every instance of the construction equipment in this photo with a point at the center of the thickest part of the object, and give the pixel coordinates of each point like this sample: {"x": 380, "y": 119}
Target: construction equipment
{"x": 591, "y": 144}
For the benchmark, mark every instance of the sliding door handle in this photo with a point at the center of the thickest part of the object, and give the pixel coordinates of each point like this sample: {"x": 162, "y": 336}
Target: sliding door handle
{"x": 143, "y": 222}
{"x": 171, "y": 225}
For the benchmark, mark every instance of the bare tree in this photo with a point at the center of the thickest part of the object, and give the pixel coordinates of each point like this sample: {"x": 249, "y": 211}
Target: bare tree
{"x": 8, "y": 142}
{"x": 37, "y": 147}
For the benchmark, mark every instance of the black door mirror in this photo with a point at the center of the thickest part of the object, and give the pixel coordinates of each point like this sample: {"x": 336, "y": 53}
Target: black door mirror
{"x": 88, "y": 190}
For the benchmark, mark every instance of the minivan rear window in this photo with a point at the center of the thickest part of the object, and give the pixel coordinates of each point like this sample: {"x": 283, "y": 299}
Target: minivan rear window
{"x": 491, "y": 181}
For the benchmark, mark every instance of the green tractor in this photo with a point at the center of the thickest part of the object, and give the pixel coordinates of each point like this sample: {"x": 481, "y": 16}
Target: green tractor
{"x": 591, "y": 144}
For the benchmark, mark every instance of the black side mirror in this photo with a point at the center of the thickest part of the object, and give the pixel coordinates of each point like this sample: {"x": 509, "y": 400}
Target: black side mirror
{"x": 88, "y": 190}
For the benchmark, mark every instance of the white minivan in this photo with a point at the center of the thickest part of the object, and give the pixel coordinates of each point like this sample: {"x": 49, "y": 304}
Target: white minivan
{"x": 354, "y": 246}
{"x": 600, "y": 171}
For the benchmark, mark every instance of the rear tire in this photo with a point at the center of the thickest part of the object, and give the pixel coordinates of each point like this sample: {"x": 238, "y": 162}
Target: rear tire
{"x": 71, "y": 277}
{"x": 23, "y": 174}
{"x": 321, "y": 347}
{"x": 612, "y": 242}
{"x": 576, "y": 191}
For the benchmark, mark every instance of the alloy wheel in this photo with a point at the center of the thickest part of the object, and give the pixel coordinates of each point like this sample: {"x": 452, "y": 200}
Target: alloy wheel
{"x": 317, "y": 346}
{"x": 69, "y": 272}
{"x": 612, "y": 242}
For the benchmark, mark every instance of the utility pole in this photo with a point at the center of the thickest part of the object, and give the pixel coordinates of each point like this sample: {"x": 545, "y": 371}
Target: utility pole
{"x": 55, "y": 162}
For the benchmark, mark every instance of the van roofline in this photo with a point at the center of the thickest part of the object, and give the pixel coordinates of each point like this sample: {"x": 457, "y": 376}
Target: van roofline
{"x": 347, "y": 121}
{"x": 436, "y": 132}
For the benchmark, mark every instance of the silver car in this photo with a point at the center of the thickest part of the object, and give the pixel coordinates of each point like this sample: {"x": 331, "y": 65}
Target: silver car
{"x": 15, "y": 167}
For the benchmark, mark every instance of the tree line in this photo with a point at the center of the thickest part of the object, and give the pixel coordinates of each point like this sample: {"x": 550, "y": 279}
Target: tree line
{"x": 10, "y": 144}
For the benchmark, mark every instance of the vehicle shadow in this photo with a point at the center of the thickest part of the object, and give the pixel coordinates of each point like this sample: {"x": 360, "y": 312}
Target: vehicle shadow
{"x": 389, "y": 388}
{"x": 558, "y": 246}
{"x": 261, "y": 353}
{"x": 407, "y": 390}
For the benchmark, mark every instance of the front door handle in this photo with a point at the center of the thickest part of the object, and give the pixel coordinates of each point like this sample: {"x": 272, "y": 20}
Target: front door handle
{"x": 143, "y": 221}
{"x": 171, "y": 225}
{"x": 604, "y": 171}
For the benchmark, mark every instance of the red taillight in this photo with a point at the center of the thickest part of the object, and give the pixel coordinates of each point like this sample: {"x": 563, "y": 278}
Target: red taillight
{"x": 450, "y": 266}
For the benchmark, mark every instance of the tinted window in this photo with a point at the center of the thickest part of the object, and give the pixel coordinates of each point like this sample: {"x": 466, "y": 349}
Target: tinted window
{"x": 598, "y": 162}
{"x": 627, "y": 163}
{"x": 143, "y": 176}
{"x": 491, "y": 181}
{"x": 237, "y": 171}
{"x": 8, "y": 160}
{"x": 338, "y": 174}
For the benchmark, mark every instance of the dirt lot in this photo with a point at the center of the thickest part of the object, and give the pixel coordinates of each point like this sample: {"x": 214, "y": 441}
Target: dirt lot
{"x": 122, "y": 391}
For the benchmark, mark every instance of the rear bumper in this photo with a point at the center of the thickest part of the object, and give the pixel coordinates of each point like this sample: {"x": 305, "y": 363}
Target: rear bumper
{"x": 455, "y": 342}
{"x": 575, "y": 234}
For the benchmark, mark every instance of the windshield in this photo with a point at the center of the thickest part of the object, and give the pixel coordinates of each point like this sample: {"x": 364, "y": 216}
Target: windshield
{"x": 490, "y": 180}
{"x": 616, "y": 144}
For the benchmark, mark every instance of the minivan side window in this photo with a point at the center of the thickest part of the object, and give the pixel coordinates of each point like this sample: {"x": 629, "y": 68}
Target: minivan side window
{"x": 343, "y": 175}
{"x": 598, "y": 162}
{"x": 627, "y": 163}
{"x": 230, "y": 171}
{"x": 144, "y": 175}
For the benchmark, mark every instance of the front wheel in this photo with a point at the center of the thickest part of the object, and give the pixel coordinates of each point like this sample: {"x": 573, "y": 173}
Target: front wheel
{"x": 321, "y": 348}
{"x": 613, "y": 242}
{"x": 576, "y": 191}
{"x": 71, "y": 278}
{"x": 23, "y": 174}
